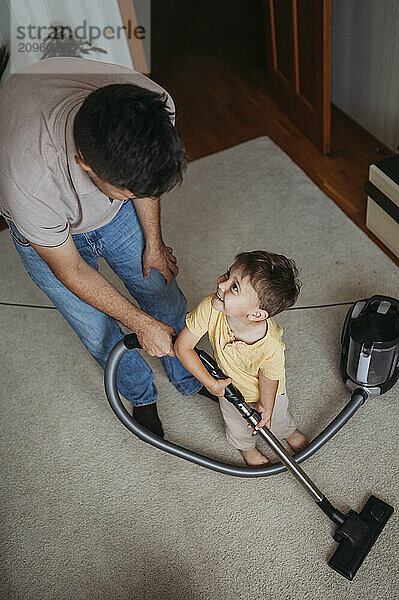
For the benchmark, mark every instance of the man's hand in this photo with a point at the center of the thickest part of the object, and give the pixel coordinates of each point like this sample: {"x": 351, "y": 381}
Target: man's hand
{"x": 161, "y": 258}
{"x": 156, "y": 338}
{"x": 90, "y": 286}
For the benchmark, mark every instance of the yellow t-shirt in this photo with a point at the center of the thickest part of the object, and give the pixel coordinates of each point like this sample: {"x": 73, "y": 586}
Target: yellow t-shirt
{"x": 239, "y": 360}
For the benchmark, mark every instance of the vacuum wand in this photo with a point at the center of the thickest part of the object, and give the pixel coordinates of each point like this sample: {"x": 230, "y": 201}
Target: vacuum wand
{"x": 356, "y": 533}
{"x": 253, "y": 417}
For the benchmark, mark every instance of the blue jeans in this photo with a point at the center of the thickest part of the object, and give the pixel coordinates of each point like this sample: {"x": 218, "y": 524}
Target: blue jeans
{"x": 121, "y": 243}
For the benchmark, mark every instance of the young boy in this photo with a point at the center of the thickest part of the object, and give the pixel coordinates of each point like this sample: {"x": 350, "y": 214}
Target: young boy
{"x": 247, "y": 346}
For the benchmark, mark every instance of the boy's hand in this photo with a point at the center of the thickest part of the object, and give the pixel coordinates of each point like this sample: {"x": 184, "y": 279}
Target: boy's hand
{"x": 266, "y": 414}
{"x": 268, "y": 390}
{"x": 217, "y": 388}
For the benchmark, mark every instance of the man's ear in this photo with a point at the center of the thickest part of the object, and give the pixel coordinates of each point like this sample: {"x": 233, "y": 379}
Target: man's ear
{"x": 258, "y": 315}
{"x": 82, "y": 163}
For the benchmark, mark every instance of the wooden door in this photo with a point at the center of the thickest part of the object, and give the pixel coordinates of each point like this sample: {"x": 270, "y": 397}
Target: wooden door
{"x": 299, "y": 64}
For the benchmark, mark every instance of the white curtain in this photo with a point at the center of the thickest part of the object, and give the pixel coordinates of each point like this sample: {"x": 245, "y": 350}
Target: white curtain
{"x": 365, "y": 64}
{"x": 100, "y": 15}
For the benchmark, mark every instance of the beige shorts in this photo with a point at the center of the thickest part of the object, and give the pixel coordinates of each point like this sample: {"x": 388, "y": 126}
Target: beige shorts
{"x": 237, "y": 431}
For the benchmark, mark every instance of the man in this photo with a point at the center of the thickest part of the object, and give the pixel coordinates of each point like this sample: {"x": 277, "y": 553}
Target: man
{"x": 87, "y": 148}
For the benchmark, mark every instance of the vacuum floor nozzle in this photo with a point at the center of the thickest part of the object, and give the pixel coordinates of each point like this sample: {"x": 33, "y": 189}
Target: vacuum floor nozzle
{"x": 357, "y": 535}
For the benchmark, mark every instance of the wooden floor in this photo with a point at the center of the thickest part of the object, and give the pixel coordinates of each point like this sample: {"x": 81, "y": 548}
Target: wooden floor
{"x": 219, "y": 105}
{"x": 212, "y": 61}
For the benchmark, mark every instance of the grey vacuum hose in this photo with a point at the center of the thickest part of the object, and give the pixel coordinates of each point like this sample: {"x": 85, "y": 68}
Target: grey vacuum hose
{"x": 357, "y": 399}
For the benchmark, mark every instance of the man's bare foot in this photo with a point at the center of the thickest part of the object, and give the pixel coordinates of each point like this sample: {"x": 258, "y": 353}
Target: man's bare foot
{"x": 297, "y": 440}
{"x": 254, "y": 458}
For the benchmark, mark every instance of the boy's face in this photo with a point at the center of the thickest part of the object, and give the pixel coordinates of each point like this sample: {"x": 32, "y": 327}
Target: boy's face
{"x": 235, "y": 297}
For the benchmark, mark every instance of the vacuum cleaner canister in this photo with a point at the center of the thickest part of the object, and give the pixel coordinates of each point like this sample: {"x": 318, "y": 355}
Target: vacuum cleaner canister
{"x": 370, "y": 345}
{"x": 369, "y": 367}
{"x": 369, "y": 363}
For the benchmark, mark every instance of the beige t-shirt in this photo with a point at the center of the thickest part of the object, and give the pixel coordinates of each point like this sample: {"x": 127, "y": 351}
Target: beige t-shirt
{"x": 238, "y": 360}
{"x": 42, "y": 189}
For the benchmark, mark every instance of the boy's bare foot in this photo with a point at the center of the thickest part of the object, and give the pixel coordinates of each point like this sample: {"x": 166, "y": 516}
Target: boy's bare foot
{"x": 297, "y": 440}
{"x": 253, "y": 457}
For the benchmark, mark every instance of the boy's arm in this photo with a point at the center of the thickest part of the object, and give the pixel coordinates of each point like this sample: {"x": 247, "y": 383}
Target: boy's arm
{"x": 267, "y": 397}
{"x": 184, "y": 349}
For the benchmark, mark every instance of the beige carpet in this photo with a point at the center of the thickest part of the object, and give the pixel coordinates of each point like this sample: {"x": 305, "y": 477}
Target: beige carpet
{"x": 91, "y": 512}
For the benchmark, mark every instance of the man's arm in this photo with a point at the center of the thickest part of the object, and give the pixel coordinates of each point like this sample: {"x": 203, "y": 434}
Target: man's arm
{"x": 91, "y": 287}
{"x": 156, "y": 254}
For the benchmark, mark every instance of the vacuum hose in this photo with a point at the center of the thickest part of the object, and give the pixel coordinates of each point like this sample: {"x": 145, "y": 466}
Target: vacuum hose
{"x": 110, "y": 374}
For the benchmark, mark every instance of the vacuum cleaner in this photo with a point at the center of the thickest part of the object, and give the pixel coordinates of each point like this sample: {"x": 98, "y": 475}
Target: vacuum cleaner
{"x": 369, "y": 367}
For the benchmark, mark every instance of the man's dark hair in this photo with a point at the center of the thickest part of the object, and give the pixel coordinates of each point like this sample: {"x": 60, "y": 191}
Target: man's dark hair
{"x": 125, "y": 134}
{"x": 273, "y": 276}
